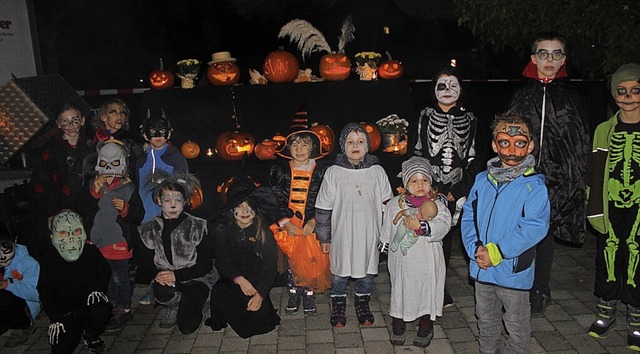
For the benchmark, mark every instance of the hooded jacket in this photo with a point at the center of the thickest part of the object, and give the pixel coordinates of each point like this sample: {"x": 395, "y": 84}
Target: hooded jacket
{"x": 23, "y": 273}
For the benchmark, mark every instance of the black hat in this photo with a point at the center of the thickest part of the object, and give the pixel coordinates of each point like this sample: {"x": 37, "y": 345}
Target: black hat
{"x": 300, "y": 127}
{"x": 242, "y": 188}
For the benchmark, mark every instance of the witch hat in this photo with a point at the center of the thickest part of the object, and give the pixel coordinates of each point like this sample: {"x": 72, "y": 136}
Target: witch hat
{"x": 300, "y": 128}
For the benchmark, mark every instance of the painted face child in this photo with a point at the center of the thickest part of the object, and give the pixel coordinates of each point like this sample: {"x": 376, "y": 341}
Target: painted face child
{"x": 512, "y": 142}
{"x": 172, "y": 203}
{"x": 244, "y": 215}
{"x": 7, "y": 252}
{"x": 115, "y": 118}
{"x": 419, "y": 185}
{"x": 70, "y": 122}
{"x": 548, "y": 56}
{"x": 447, "y": 91}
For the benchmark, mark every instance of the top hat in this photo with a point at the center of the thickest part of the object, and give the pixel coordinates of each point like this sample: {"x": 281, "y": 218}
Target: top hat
{"x": 220, "y": 57}
{"x": 300, "y": 125}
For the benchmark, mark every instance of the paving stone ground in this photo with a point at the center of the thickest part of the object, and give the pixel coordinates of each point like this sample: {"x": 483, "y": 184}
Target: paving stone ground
{"x": 561, "y": 330}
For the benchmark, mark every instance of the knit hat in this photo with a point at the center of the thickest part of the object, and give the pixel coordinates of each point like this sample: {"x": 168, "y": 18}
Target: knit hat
{"x": 627, "y": 72}
{"x": 300, "y": 126}
{"x": 348, "y": 129}
{"x": 413, "y": 165}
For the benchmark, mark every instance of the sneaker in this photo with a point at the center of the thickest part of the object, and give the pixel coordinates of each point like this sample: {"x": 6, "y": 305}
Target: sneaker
{"x": 633, "y": 328}
{"x": 94, "y": 343}
{"x": 170, "y": 317}
{"x": 448, "y": 300}
{"x": 295, "y": 295}
{"x": 309, "y": 304}
{"x": 120, "y": 318}
{"x": 539, "y": 302}
{"x": 365, "y": 317}
{"x": 338, "y": 311}
{"x": 605, "y": 319}
{"x": 397, "y": 331}
{"x": 19, "y": 336}
{"x": 147, "y": 298}
{"x": 425, "y": 332}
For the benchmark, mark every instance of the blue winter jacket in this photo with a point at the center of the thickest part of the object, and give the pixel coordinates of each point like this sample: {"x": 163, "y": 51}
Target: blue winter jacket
{"x": 23, "y": 274}
{"x": 509, "y": 219}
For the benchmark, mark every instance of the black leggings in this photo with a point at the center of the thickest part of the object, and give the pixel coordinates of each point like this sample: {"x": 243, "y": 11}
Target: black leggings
{"x": 14, "y": 313}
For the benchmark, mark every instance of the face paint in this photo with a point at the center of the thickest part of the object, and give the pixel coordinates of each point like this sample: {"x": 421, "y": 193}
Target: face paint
{"x": 628, "y": 95}
{"x": 419, "y": 185}
{"x": 67, "y": 235}
{"x": 244, "y": 215}
{"x": 447, "y": 90}
{"x": 112, "y": 160}
{"x": 70, "y": 122}
{"x": 7, "y": 252}
{"x": 172, "y": 203}
{"x": 512, "y": 143}
{"x": 355, "y": 147}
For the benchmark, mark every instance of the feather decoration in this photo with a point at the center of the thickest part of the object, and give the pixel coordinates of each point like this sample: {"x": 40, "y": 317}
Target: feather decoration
{"x": 309, "y": 38}
{"x": 347, "y": 34}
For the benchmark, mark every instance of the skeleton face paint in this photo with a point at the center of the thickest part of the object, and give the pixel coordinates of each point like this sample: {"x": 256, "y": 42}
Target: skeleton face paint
{"x": 70, "y": 122}
{"x": 112, "y": 160}
{"x": 447, "y": 90}
{"x": 67, "y": 235}
{"x": 172, "y": 203}
{"x": 7, "y": 252}
{"x": 628, "y": 95}
{"x": 244, "y": 215}
{"x": 512, "y": 143}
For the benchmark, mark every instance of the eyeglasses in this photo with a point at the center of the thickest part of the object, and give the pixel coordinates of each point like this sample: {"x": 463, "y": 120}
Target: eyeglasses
{"x": 621, "y": 91}
{"x": 556, "y": 55}
{"x": 65, "y": 122}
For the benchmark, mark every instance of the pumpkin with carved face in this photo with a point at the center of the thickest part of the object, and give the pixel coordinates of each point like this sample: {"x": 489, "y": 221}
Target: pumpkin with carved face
{"x": 190, "y": 149}
{"x": 266, "y": 150}
{"x": 374, "y": 135}
{"x": 161, "y": 79}
{"x": 196, "y": 198}
{"x": 391, "y": 69}
{"x": 223, "y": 73}
{"x": 234, "y": 145}
{"x": 280, "y": 66}
{"x": 280, "y": 140}
{"x": 335, "y": 66}
{"x": 327, "y": 137}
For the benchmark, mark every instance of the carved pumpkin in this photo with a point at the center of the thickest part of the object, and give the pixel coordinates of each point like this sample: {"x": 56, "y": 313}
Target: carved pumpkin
{"x": 266, "y": 150}
{"x": 224, "y": 187}
{"x": 196, "y": 198}
{"x": 374, "y": 135}
{"x": 280, "y": 66}
{"x": 233, "y": 145}
{"x": 190, "y": 149}
{"x": 335, "y": 66}
{"x": 391, "y": 69}
{"x": 327, "y": 137}
{"x": 223, "y": 73}
{"x": 281, "y": 140}
{"x": 161, "y": 79}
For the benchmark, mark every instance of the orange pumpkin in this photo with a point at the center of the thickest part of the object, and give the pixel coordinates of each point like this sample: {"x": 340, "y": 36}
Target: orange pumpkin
{"x": 266, "y": 150}
{"x": 374, "y": 135}
{"x": 196, "y": 198}
{"x": 161, "y": 79}
{"x": 391, "y": 69}
{"x": 280, "y": 66}
{"x": 280, "y": 140}
{"x": 224, "y": 187}
{"x": 190, "y": 149}
{"x": 327, "y": 137}
{"x": 223, "y": 73}
{"x": 335, "y": 66}
{"x": 234, "y": 145}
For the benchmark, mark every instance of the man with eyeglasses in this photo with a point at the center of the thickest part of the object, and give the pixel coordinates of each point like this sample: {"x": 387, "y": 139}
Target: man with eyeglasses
{"x": 560, "y": 129}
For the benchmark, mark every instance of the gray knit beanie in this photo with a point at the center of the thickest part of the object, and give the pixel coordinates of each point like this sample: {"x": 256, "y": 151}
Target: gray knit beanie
{"x": 416, "y": 164}
{"x": 348, "y": 129}
{"x": 627, "y": 72}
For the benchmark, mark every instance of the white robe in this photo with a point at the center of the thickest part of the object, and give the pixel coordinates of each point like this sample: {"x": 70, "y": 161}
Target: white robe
{"x": 417, "y": 278}
{"x": 356, "y": 199}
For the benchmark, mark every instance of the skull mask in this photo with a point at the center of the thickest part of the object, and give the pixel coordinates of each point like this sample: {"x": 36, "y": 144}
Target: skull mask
{"x": 7, "y": 252}
{"x": 67, "y": 235}
{"x": 112, "y": 160}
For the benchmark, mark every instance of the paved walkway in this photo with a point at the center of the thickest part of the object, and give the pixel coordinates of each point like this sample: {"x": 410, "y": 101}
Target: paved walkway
{"x": 561, "y": 330}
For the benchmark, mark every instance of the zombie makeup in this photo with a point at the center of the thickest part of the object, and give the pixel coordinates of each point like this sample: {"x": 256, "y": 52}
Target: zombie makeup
{"x": 115, "y": 118}
{"x": 68, "y": 235}
{"x": 172, "y": 203}
{"x": 628, "y": 95}
{"x": 419, "y": 185}
{"x": 244, "y": 215}
{"x": 7, "y": 252}
{"x": 356, "y": 147}
{"x": 512, "y": 143}
{"x": 447, "y": 90}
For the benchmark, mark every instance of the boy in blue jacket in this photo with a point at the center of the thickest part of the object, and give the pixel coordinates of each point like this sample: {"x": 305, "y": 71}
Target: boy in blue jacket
{"x": 506, "y": 214}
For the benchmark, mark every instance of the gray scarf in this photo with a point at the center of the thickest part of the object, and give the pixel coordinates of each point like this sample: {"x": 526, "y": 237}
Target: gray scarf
{"x": 508, "y": 174}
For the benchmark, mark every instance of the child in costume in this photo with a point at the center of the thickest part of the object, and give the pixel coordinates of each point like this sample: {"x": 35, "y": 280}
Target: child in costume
{"x": 112, "y": 210}
{"x": 246, "y": 256}
{"x": 19, "y": 300}
{"x": 417, "y": 269}
{"x": 505, "y": 216}
{"x": 613, "y": 207}
{"x": 296, "y": 186}
{"x": 178, "y": 251}
{"x": 73, "y": 287}
{"x": 349, "y": 210}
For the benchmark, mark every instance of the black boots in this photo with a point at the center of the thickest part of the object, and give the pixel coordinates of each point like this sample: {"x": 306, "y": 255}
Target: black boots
{"x": 365, "y": 317}
{"x": 605, "y": 319}
{"x": 338, "y": 311}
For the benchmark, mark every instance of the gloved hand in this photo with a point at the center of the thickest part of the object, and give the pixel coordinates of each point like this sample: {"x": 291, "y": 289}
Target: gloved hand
{"x": 54, "y": 331}
{"x": 95, "y": 297}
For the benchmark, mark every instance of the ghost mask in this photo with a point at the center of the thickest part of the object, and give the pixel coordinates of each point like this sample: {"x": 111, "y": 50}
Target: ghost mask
{"x": 447, "y": 90}
{"x": 7, "y": 252}
{"x": 112, "y": 160}
{"x": 67, "y": 235}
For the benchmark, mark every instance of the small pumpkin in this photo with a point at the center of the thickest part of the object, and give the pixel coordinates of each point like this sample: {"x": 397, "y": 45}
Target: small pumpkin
{"x": 335, "y": 66}
{"x": 280, "y": 140}
{"x": 190, "y": 149}
{"x": 327, "y": 137}
{"x": 161, "y": 79}
{"x": 280, "y": 66}
{"x": 266, "y": 150}
{"x": 223, "y": 188}
{"x": 234, "y": 145}
{"x": 374, "y": 135}
{"x": 391, "y": 69}
{"x": 223, "y": 73}
{"x": 196, "y": 198}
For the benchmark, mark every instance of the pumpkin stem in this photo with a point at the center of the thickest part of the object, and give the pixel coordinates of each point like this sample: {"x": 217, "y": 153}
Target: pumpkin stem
{"x": 161, "y": 64}
{"x": 389, "y": 56}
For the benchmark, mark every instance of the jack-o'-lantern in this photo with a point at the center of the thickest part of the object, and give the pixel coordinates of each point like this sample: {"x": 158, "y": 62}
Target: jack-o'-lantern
{"x": 190, "y": 149}
{"x": 280, "y": 66}
{"x": 223, "y": 188}
{"x": 391, "y": 69}
{"x": 161, "y": 79}
{"x": 327, "y": 137}
{"x": 335, "y": 66}
{"x": 266, "y": 150}
{"x": 234, "y": 145}
{"x": 374, "y": 135}
{"x": 196, "y": 198}
{"x": 223, "y": 70}
{"x": 281, "y": 140}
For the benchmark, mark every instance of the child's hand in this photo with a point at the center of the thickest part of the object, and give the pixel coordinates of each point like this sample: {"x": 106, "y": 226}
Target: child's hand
{"x": 292, "y": 230}
{"x": 326, "y": 247}
{"x": 411, "y": 222}
{"x": 166, "y": 278}
{"x": 118, "y": 204}
{"x": 400, "y": 214}
{"x": 98, "y": 182}
{"x": 246, "y": 286}
{"x": 255, "y": 303}
{"x": 450, "y": 197}
{"x": 482, "y": 257}
{"x": 308, "y": 228}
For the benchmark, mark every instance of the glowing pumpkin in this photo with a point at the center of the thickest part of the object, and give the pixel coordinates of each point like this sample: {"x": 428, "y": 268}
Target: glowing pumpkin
{"x": 280, "y": 140}
{"x": 223, "y": 188}
{"x": 234, "y": 145}
{"x": 374, "y": 135}
{"x": 223, "y": 73}
{"x": 190, "y": 149}
{"x": 161, "y": 79}
{"x": 266, "y": 150}
{"x": 327, "y": 137}
{"x": 196, "y": 198}
{"x": 280, "y": 66}
{"x": 391, "y": 69}
{"x": 335, "y": 66}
